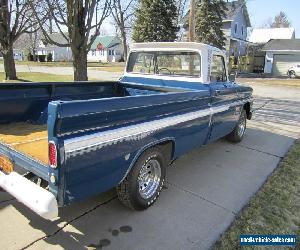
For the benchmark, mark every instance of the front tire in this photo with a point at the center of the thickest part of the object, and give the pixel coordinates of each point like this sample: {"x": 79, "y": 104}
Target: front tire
{"x": 142, "y": 186}
{"x": 237, "y": 134}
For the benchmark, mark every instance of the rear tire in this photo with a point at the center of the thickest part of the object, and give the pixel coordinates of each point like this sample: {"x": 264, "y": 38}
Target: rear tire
{"x": 237, "y": 134}
{"x": 142, "y": 186}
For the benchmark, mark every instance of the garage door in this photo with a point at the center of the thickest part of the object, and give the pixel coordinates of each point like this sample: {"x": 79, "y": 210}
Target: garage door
{"x": 282, "y": 63}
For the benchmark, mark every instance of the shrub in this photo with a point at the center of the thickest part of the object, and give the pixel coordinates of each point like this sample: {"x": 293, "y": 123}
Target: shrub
{"x": 42, "y": 58}
{"x": 29, "y": 57}
{"x": 49, "y": 57}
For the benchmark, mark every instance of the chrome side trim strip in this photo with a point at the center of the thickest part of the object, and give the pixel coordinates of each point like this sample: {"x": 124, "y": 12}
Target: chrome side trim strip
{"x": 87, "y": 143}
{"x": 133, "y": 132}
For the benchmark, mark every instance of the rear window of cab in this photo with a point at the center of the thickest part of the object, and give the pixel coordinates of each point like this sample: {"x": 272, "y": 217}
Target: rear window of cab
{"x": 175, "y": 63}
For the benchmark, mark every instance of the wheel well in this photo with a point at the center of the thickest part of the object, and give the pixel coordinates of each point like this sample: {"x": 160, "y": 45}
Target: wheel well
{"x": 247, "y": 107}
{"x": 168, "y": 149}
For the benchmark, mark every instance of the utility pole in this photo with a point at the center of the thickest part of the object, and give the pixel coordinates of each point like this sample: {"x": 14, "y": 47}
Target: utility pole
{"x": 192, "y": 21}
{"x": 192, "y": 33}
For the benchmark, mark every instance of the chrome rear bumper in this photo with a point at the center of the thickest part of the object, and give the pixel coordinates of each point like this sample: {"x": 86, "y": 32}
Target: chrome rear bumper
{"x": 31, "y": 195}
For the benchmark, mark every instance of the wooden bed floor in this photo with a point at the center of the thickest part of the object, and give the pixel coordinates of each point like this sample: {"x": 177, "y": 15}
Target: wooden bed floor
{"x": 29, "y": 139}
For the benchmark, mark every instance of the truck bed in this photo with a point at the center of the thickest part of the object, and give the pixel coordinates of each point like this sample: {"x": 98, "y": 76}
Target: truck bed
{"x": 29, "y": 139}
{"x": 28, "y": 106}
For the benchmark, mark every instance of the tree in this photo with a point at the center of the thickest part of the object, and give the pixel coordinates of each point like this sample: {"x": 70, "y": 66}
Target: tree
{"x": 281, "y": 21}
{"x": 156, "y": 21}
{"x": 123, "y": 11}
{"x": 181, "y": 10}
{"x": 83, "y": 20}
{"x": 15, "y": 20}
{"x": 209, "y": 16}
{"x": 267, "y": 23}
{"x": 28, "y": 42}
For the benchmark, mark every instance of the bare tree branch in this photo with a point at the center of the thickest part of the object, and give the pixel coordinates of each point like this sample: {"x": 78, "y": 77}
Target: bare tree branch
{"x": 15, "y": 19}
{"x": 122, "y": 12}
{"x": 82, "y": 20}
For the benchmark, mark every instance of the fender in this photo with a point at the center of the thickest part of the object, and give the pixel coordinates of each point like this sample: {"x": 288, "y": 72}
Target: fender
{"x": 146, "y": 147}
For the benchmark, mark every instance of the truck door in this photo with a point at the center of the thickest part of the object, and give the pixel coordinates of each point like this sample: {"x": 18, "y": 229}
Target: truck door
{"x": 223, "y": 93}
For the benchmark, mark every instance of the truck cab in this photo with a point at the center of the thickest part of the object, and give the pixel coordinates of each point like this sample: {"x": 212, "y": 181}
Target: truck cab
{"x": 192, "y": 66}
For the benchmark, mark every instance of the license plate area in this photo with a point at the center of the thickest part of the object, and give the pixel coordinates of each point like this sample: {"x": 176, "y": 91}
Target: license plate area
{"x": 6, "y": 165}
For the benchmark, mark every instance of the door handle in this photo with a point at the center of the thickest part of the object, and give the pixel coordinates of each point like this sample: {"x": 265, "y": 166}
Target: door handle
{"x": 217, "y": 91}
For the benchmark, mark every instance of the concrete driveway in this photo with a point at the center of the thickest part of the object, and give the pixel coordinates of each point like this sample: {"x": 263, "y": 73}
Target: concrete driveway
{"x": 206, "y": 189}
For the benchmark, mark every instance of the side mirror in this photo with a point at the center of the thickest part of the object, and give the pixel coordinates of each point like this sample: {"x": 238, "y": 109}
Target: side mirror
{"x": 232, "y": 77}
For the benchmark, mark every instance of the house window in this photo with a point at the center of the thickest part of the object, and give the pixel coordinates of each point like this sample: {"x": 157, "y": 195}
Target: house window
{"x": 242, "y": 30}
{"x": 218, "y": 69}
{"x": 235, "y": 28}
{"x": 93, "y": 52}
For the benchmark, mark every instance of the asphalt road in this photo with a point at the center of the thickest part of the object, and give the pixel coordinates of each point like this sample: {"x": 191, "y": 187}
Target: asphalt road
{"x": 205, "y": 190}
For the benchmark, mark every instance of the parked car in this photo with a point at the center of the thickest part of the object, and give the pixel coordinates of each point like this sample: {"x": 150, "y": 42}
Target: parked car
{"x": 294, "y": 71}
{"x": 18, "y": 56}
{"x": 64, "y": 142}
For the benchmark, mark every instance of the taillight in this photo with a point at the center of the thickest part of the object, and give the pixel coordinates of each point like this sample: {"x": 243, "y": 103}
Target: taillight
{"x": 52, "y": 155}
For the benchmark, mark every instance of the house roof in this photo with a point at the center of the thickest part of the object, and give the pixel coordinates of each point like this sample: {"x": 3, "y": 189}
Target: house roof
{"x": 282, "y": 45}
{"x": 106, "y": 41}
{"x": 58, "y": 38}
{"x": 233, "y": 9}
{"x": 265, "y": 35}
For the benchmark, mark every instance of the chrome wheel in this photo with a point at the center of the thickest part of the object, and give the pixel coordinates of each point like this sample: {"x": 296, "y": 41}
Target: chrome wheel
{"x": 149, "y": 178}
{"x": 292, "y": 74}
{"x": 242, "y": 126}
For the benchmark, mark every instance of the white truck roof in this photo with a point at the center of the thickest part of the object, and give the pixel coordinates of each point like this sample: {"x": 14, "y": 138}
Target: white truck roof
{"x": 205, "y": 50}
{"x": 173, "y": 45}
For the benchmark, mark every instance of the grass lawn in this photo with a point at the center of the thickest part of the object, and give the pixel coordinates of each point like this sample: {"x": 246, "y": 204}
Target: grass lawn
{"x": 110, "y": 67}
{"x": 275, "y": 209}
{"x": 37, "y": 77}
{"x": 278, "y": 82}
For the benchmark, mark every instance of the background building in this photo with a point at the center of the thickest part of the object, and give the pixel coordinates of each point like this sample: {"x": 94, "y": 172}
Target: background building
{"x": 106, "y": 49}
{"x": 281, "y": 54}
{"x": 58, "y": 53}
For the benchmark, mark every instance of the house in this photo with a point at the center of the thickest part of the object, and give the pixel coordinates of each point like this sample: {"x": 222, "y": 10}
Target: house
{"x": 235, "y": 27}
{"x": 262, "y": 36}
{"x": 106, "y": 49}
{"x": 18, "y": 55}
{"x": 281, "y": 54}
{"x": 58, "y": 53}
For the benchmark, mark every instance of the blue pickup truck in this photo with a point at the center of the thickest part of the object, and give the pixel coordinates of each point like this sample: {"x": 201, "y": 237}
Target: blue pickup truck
{"x": 64, "y": 142}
